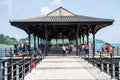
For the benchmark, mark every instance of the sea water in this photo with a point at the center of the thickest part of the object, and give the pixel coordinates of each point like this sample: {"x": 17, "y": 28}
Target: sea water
{"x": 97, "y": 48}
{"x": 117, "y": 48}
{"x": 2, "y": 49}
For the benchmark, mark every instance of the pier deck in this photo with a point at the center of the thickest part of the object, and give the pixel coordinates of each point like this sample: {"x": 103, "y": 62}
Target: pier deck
{"x": 65, "y": 68}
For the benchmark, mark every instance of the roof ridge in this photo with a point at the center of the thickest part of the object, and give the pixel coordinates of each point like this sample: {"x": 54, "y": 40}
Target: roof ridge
{"x": 60, "y": 12}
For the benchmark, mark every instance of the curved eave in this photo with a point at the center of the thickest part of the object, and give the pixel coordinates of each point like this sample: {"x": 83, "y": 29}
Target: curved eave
{"x": 15, "y": 23}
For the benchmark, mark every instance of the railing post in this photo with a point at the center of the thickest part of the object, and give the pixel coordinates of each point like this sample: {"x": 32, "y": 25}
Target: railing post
{"x": 112, "y": 67}
{"x": 40, "y": 57}
{"x": 23, "y": 68}
{"x": 11, "y": 68}
{"x": 30, "y": 67}
{"x": 102, "y": 67}
{"x": 119, "y": 70}
{"x": 6, "y": 70}
{"x": 30, "y": 61}
{"x": 107, "y": 68}
{"x": 113, "y": 71}
{"x": 17, "y": 72}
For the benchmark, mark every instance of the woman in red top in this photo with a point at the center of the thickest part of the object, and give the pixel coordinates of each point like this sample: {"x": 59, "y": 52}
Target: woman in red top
{"x": 108, "y": 48}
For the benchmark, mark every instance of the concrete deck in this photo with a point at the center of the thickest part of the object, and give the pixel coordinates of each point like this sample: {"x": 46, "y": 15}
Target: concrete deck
{"x": 66, "y": 68}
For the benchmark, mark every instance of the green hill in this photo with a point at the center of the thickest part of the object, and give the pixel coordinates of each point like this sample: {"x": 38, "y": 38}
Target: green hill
{"x": 53, "y": 41}
{"x": 6, "y": 40}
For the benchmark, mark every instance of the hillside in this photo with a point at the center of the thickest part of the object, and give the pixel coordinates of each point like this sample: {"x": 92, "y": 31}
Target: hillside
{"x": 53, "y": 41}
{"x": 6, "y": 40}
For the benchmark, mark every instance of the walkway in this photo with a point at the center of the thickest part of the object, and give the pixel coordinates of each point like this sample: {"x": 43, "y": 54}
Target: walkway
{"x": 65, "y": 68}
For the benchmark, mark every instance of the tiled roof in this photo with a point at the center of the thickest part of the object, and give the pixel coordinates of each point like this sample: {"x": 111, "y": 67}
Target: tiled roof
{"x": 63, "y": 15}
{"x": 64, "y": 19}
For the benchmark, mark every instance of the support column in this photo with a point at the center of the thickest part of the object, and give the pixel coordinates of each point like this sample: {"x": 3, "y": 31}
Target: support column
{"x": 77, "y": 31}
{"x": 38, "y": 40}
{"x": 88, "y": 42}
{"x": 34, "y": 42}
{"x": 83, "y": 39}
{"x": 46, "y": 40}
{"x": 93, "y": 32}
{"x": 29, "y": 42}
{"x": 93, "y": 48}
{"x": 80, "y": 36}
{"x": 56, "y": 41}
{"x": 62, "y": 39}
{"x": 29, "y": 37}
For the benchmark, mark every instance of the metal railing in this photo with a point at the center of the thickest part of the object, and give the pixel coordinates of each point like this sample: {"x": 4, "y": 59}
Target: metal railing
{"x": 108, "y": 64}
{"x": 16, "y": 68}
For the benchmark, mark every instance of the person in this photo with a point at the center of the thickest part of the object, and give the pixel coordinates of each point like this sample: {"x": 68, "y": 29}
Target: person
{"x": 9, "y": 52}
{"x": 33, "y": 64}
{"x": 103, "y": 49}
{"x": 108, "y": 48}
{"x": 15, "y": 49}
{"x": 80, "y": 48}
{"x": 70, "y": 46}
{"x": 24, "y": 47}
{"x": 64, "y": 49}
{"x": 35, "y": 52}
{"x": 86, "y": 48}
{"x": 83, "y": 49}
{"x": 113, "y": 49}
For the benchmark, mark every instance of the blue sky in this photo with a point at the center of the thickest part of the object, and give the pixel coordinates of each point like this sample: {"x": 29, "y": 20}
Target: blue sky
{"x": 19, "y": 9}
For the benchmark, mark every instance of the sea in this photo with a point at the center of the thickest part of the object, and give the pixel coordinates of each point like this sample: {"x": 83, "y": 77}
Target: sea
{"x": 3, "y": 48}
{"x": 116, "y": 45}
{"x": 97, "y": 47}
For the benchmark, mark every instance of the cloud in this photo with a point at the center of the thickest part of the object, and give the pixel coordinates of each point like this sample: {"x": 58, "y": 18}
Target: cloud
{"x": 45, "y": 10}
{"x": 57, "y": 2}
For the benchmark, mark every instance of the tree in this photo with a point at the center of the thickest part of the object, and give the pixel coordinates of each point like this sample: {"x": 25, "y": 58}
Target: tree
{"x": 8, "y": 40}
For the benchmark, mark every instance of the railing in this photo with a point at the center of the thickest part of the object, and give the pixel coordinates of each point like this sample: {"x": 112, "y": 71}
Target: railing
{"x": 16, "y": 68}
{"x": 109, "y": 64}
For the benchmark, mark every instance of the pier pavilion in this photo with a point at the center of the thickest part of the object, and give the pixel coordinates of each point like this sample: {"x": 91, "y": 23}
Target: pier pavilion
{"x": 61, "y": 23}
